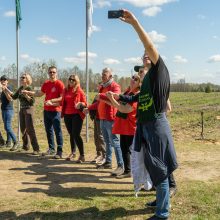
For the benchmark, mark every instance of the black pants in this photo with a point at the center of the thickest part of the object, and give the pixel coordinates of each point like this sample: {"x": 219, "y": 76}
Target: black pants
{"x": 73, "y": 124}
{"x": 172, "y": 182}
{"x": 125, "y": 143}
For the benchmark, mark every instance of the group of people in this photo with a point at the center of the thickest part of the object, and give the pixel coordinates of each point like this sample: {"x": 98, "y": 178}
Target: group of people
{"x": 138, "y": 115}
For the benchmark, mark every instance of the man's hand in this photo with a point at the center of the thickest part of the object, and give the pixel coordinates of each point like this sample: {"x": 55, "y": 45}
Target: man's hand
{"x": 85, "y": 111}
{"x": 48, "y": 103}
{"x": 25, "y": 92}
{"x": 110, "y": 94}
{"x": 97, "y": 97}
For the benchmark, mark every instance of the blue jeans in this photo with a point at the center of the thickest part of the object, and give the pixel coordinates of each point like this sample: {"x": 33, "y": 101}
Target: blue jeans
{"x": 52, "y": 123}
{"x": 163, "y": 199}
{"x": 6, "y": 117}
{"x": 111, "y": 140}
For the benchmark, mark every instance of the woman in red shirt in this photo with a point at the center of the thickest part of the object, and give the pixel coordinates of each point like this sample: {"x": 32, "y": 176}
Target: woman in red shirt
{"x": 72, "y": 103}
{"x": 125, "y": 122}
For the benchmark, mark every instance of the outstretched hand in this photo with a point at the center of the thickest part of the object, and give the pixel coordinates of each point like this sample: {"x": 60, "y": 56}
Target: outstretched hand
{"x": 128, "y": 17}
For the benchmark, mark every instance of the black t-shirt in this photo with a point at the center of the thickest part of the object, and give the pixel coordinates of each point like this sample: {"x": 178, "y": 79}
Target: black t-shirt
{"x": 160, "y": 85}
{"x": 6, "y": 105}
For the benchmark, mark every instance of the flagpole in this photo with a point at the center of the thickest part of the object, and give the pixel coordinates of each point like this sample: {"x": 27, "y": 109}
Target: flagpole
{"x": 17, "y": 62}
{"x": 87, "y": 74}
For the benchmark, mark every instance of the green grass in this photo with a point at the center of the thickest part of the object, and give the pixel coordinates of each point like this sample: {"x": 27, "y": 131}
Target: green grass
{"x": 34, "y": 188}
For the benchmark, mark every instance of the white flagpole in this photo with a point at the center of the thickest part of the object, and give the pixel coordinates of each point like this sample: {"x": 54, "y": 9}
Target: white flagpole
{"x": 18, "y": 81}
{"x": 87, "y": 74}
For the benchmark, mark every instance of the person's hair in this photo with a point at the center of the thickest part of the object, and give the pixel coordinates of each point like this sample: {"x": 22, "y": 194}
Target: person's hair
{"x": 74, "y": 76}
{"x": 52, "y": 67}
{"x": 107, "y": 69}
{"x": 28, "y": 78}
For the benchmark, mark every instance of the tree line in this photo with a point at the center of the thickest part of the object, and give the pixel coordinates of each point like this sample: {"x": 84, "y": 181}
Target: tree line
{"x": 38, "y": 70}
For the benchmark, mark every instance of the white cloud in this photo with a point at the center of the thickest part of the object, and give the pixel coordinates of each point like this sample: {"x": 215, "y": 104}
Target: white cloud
{"x": 157, "y": 38}
{"x": 110, "y": 61}
{"x": 80, "y": 58}
{"x": 47, "y": 40}
{"x": 214, "y": 58}
{"x": 9, "y": 14}
{"x": 133, "y": 60}
{"x": 93, "y": 29}
{"x": 2, "y": 58}
{"x": 102, "y": 4}
{"x": 90, "y": 54}
{"x": 216, "y": 37}
{"x": 177, "y": 76}
{"x": 29, "y": 59}
{"x": 147, "y": 3}
{"x": 180, "y": 59}
{"x": 152, "y": 11}
{"x": 201, "y": 17}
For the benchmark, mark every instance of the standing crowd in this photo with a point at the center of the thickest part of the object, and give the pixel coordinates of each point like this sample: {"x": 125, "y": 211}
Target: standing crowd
{"x": 132, "y": 119}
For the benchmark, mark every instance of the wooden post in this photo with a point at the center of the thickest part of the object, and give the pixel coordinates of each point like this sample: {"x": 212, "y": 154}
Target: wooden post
{"x": 202, "y": 121}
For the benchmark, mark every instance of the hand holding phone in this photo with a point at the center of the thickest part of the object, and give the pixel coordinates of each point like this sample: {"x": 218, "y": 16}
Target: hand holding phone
{"x": 115, "y": 14}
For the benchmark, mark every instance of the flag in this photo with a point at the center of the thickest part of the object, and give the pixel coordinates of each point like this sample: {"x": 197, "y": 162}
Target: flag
{"x": 18, "y": 12}
{"x": 89, "y": 16}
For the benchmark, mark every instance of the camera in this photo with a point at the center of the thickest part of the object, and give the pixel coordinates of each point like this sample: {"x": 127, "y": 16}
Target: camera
{"x": 115, "y": 14}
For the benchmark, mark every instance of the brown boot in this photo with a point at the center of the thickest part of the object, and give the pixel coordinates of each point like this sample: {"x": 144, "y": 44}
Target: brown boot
{"x": 81, "y": 159}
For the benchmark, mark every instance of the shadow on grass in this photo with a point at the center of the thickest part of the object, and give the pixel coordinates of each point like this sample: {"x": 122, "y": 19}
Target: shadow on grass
{"x": 55, "y": 173}
{"x": 85, "y": 214}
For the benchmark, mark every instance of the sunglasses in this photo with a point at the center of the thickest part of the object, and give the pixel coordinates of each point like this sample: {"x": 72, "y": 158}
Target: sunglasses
{"x": 23, "y": 77}
{"x": 52, "y": 72}
{"x": 72, "y": 80}
{"x": 135, "y": 78}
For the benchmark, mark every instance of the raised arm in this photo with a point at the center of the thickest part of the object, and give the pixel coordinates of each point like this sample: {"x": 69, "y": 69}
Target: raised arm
{"x": 150, "y": 48}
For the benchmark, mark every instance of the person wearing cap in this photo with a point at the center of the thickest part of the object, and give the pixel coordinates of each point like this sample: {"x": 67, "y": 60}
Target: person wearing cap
{"x": 153, "y": 129}
{"x": 7, "y": 113}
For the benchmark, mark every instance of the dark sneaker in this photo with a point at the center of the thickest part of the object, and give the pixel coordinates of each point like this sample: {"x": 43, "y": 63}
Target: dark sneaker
{"x": 154, "y": 217}
{"x": 124, "y": 175}
{"x": 15, "y": 146}
{"x": 118, "y": 171}
{"x": 49, "y": 152}
{"x": 81, "y": 159}
{"x": 8, "y": 144}
{"x": 173, "y": 191}
{"x": 2, "y": 144}
{"x": 151, "y": 204}
{"x": 105, "y": 165}
{"x": 58, "y": 156}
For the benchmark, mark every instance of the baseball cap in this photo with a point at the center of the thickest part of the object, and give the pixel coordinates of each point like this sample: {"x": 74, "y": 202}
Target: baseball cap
{"x": 136, "y": 68}
{"x": 4, "y": 77}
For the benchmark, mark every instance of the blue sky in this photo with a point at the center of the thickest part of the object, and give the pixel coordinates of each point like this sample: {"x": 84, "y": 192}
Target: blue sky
{"x": 186, "y": 32}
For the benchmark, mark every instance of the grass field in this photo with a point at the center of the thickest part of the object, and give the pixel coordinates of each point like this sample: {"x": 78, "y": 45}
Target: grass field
{"x": 37, "y": 188}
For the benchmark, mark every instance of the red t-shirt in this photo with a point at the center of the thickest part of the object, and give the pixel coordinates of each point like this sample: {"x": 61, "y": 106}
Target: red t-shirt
{"x": 70, "y": 99}
{"x": 52, "y": 90}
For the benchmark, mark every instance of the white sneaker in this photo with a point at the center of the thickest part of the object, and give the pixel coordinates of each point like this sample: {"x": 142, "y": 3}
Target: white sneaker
{"x": 100, "y": 160}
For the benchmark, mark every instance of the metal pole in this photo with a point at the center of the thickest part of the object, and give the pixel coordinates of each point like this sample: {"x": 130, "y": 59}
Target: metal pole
{"x": 18, "y": 82}
{"x": 87, "y": 74}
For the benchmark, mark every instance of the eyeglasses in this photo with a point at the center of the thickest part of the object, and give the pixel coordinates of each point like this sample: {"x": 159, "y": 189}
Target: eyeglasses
{"x": 52, "y": 72}
{"x": 72, "y": 80}
{"x": 135, "y": 78}
{"x": 23, "y": 77}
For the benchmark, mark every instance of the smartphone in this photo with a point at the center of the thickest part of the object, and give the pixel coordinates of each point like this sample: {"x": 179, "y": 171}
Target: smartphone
{"x": 115, "y": 14}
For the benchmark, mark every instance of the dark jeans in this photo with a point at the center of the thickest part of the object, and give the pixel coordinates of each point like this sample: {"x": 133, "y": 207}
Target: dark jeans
{"x": 52, "y": 123}
{"x": 99, "y": 139}
{"x": 7, "y": 117}
{"x": 27, "y": 128}
{"x": 74, "y": 124}
{"x": 125, "y": 143}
